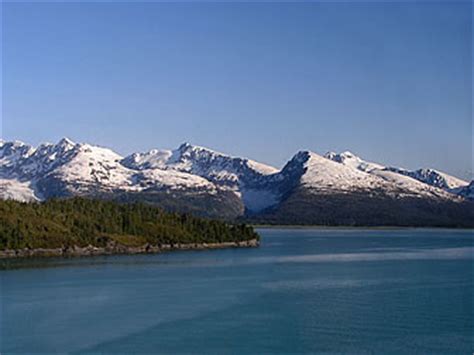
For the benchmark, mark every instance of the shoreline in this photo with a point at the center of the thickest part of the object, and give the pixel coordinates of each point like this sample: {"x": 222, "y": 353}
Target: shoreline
{"x": 304, "y": 226}
{"x": 119, "y": 249}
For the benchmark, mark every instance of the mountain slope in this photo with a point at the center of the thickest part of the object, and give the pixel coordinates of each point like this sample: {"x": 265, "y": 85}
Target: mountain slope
{"x": 70, "y": 169}
{"x": 466, "y": 191}
{"x": 326, "y": 192}
{"x": 243, "y": 176}
{"x": 430, "y": 177}
{"x": 13, "y": 189}
{"x": 349, "y": 159}
{"x": 303, "y": 207}
{"x": 324, "y": 175}
{"x": 214, "y": 166}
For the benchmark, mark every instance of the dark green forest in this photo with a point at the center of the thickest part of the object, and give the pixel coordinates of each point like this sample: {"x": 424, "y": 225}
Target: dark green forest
{"x": 61, "y": 223}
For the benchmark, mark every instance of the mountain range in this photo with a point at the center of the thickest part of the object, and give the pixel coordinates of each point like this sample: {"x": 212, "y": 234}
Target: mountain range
{"x": 330, "y": 189}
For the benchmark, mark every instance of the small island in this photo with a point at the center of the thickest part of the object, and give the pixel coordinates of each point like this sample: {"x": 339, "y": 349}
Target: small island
{"x": 83, "y": 227}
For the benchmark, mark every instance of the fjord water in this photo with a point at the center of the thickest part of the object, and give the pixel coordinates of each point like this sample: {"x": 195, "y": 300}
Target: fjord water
{"x": 302, "y": 291}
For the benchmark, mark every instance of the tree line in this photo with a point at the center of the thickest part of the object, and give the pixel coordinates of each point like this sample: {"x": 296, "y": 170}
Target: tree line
{"x": 59, "y": 223}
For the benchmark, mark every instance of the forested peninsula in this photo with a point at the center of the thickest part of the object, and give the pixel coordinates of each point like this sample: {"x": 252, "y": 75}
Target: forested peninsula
{"x": 80, "y": 226}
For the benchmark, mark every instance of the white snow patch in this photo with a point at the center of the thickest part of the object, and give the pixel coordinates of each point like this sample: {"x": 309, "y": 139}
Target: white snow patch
{"x": 175, "y": 180}
{"x": 349, "y": 159}
{"x": 94, "y": 164}
{"x": 325, "y": 175}
{"x": 12, "y": 189}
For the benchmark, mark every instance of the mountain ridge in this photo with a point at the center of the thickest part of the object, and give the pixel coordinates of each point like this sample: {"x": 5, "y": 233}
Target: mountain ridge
{"x": 206, "y": 182}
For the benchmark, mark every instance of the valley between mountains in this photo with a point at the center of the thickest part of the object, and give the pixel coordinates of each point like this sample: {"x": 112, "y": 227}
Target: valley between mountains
{"x": 311, "y": 189}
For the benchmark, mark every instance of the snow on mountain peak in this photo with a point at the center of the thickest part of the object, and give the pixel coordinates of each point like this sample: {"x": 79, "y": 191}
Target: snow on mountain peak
{"x": 432, "y": 177}
{"x": 12, "y": 154}
{"x": 185, "y": 146}
{"x": 341, "y": 156}
{"x": 187, "y": 150}
{"x": 350, "y": 159}
{"x": 215, "y": 166}
{"x": 300, "y": 157}
{"x": 345, "y": 173}
{"x": 466, "y": 191}
{"x": 323, "y": 173}
{"x": 79, "y": 168}
{"x": 15, "y": 148}
{"x": 153, "y": 159}
{"x": 65, "y": 142}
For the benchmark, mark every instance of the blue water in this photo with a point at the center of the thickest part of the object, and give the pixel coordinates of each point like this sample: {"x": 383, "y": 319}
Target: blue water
{"x": 302, "y": 291}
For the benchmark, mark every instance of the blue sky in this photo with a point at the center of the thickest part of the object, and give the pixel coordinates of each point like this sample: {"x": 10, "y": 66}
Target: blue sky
{"x": 388, "y": 81}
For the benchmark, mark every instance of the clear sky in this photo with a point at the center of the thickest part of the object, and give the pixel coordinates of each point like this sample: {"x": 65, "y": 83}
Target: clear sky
{"x": 391, "y": 82}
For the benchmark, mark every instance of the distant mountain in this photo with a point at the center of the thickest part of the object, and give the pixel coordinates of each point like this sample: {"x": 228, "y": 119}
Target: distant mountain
{"x": 328, "y": 192}
{"x": 201, "y": 161}
{"x": 72, "y": 169}
{"x": 335, "y": 189}
{"x": 431, "y": 177}
{"x": 465, "y": 191}
{"x": 352, "y": 160}
{"x": 242, "y": 176}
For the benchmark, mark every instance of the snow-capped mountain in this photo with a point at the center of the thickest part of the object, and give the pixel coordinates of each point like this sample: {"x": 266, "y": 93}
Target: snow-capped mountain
{"x": 430, "y": 177}
{"x": 466, "y": 191}
{"x": 217, "y": 167}
{"x": 319, "y": 190}
{"x": 69, "y": 169}
{"x": 243, "y": 176}
{"x": 352, "y": 160}
{"x": 351, "y": 174}
{"x": 202, "y": 181}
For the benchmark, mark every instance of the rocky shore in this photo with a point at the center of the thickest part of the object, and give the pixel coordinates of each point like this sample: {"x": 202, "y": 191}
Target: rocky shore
{"x": 113, "y": 248}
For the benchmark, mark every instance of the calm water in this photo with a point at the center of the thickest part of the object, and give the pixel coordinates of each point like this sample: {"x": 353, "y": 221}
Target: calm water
{"x": 302, "y": 291}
